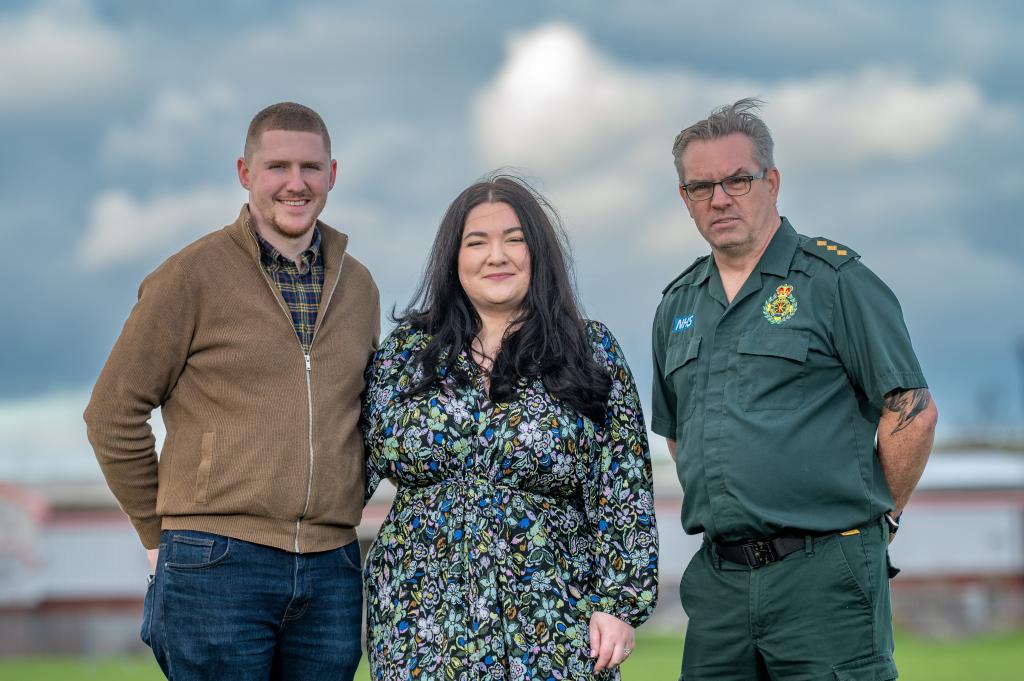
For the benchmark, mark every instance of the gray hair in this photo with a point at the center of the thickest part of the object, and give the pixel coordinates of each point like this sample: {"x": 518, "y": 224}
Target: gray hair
{"x": 727, "y": 120}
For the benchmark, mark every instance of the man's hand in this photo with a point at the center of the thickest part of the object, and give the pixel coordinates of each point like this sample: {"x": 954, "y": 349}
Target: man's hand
{"x": 152, "y": 555}
{"x": 611, "y": 641}
{"x": 905, "y": 434}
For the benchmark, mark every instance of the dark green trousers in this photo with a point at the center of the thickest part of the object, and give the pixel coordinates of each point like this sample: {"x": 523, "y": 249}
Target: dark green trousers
{"x": 819, "y": 613}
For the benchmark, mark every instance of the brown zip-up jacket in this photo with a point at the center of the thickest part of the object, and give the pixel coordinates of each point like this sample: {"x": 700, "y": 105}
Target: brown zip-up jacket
{"x": 263, "y": 440}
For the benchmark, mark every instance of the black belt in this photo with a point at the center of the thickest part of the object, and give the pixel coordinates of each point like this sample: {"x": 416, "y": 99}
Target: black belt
{"x": 760, "y": 552}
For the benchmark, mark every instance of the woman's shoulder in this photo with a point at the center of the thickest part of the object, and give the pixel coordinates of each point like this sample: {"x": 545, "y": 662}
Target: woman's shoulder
{"x": 404, "y": 338}
{"x": 595, "y": 329}
{"x": 603, "y": 341}
{"x": 599, "y": 333}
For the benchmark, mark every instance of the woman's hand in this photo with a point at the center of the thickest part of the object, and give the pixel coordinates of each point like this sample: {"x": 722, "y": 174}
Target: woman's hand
{"x": 611, "y": 641}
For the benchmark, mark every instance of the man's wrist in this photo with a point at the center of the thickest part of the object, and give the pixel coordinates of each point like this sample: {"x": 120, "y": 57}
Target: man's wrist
{"x": 893, "y": 522}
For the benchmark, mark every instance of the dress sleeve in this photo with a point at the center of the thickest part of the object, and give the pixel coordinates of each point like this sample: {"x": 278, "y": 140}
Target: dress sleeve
{"x": 385, "y": 378}
{"x": 620, "y": 496}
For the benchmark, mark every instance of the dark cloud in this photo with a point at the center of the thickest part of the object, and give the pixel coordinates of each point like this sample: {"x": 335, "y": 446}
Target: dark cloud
{"x": 397, "y": 84}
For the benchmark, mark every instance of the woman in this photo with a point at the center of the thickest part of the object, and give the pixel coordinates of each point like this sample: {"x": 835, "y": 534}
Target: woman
{"x": 521, "y": 543}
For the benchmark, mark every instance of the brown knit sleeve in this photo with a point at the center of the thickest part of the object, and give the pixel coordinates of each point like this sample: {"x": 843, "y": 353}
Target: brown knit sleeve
{"x": 142, "y": 369}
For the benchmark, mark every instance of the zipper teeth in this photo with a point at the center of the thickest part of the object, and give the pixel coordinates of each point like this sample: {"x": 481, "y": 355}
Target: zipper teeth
{"x": 309, "y": 379}
{"x": 309, "y": 480}
{"x": 309, "y": 398}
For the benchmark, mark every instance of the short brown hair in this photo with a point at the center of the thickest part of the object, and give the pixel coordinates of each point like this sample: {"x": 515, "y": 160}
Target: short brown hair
{"x": 285, "y": 116}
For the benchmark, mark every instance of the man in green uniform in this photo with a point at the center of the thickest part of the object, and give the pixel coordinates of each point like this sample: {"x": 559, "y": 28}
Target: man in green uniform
{"x": 796, "y": 411}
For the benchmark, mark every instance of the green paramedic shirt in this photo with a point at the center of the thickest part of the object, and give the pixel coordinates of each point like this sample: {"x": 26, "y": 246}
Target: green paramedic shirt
{"x": 774, "y": 400}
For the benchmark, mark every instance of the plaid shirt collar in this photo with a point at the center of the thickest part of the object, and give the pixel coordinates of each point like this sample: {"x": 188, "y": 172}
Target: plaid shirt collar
{"x": 272, "y": 259}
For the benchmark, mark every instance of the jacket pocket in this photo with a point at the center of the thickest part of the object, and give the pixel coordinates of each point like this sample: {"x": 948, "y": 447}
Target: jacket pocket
{"x": 205, "y": 465}
{"x": 874, "y": 668}
{"x": 772, "y": 368}
{"x": 681, "y": 371}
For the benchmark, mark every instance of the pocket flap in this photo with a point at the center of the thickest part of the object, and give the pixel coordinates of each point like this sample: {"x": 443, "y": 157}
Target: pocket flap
{"x": 681, "y": 353}
{"x": 874, "y": 668}
{"x": 788, "y": 344}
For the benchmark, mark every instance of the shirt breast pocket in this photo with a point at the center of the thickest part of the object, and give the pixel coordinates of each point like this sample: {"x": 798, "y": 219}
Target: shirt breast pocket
{"x": 772, "y": 369}
{"x": 681, "y": 373}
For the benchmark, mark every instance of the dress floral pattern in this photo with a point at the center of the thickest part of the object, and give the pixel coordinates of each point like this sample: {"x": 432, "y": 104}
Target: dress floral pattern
{"x": 512, "y": 522}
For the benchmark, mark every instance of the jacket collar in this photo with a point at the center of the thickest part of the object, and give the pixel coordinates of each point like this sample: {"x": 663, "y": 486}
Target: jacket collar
{"x": 332, "y": 242}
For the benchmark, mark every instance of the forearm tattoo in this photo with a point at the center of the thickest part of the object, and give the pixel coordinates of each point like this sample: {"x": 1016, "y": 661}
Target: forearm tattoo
{"x": 907, "y": 404}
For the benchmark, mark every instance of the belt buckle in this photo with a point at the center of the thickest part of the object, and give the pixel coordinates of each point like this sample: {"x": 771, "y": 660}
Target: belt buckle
{"x": 759, "y": 553}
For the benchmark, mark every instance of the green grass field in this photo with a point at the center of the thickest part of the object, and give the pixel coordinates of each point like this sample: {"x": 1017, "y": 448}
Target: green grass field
{"x": 993, "y": 658}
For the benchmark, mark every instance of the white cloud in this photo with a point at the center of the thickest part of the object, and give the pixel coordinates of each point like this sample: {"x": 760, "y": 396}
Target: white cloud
{"x": 555, "y": 99}
{"x": 123, "y": 228}
{"x": 58, "y": 54}
{"x": 600, "y": 132}
{"x": 174, "y": 118}
{"x": 874, "y": 114}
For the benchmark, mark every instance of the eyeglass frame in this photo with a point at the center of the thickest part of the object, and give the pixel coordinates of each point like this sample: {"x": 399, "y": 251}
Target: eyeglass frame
{"x": 760, "y": 175}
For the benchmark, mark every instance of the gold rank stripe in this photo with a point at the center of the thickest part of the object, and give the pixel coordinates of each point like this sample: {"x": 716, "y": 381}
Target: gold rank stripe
{"x": 832, "y": 247}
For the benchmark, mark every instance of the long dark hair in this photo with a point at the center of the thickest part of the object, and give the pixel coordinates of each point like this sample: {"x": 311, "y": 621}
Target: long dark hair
{"x": 549, "y": 339}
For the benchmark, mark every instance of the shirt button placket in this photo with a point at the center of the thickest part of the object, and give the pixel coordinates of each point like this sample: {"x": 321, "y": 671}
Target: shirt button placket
{"x": 722, "y": 340}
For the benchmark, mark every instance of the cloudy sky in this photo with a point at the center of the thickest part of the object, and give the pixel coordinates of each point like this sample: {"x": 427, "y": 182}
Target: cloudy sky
{"x": 898, "y": 132}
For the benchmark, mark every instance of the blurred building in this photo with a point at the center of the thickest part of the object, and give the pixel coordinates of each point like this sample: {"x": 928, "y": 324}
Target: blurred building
{"x": 73, "y": 573}
{"x": 961, "y": 546}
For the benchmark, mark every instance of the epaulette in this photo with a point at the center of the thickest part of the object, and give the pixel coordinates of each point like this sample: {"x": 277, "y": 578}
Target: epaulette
{"x": 829, "y": 251}
{"x": 684, "y": 273}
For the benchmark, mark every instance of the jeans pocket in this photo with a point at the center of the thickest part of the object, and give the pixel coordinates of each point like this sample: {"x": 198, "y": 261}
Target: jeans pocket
{"x": 188, "y": 550}
{"x": 350, "y": 556}
{"x": 147, "y": 613}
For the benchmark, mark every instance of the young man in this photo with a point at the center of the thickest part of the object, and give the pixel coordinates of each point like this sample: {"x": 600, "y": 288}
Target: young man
{"x": 253, "y": 341}
{"x": 799, "y": 419}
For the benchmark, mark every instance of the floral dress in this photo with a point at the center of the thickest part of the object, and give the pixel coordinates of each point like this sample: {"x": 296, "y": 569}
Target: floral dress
{"x": 512, "y": 522}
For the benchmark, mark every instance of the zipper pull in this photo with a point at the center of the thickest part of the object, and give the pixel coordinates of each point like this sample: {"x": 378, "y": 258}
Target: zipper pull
{"x": 307, "y": 361}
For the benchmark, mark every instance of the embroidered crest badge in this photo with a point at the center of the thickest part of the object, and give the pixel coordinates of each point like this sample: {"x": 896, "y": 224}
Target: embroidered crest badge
{"x": 781, "y": 306}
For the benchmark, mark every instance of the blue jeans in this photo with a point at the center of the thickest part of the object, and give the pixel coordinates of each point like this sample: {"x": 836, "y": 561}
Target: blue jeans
{"x": 222, "y": 608}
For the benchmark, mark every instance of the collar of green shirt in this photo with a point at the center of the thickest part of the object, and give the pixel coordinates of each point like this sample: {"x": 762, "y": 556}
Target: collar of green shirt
{"x": 776, "y": 259}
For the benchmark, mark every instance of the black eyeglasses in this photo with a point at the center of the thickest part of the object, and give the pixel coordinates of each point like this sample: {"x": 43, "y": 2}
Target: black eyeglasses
{"x": 737, "y": 185}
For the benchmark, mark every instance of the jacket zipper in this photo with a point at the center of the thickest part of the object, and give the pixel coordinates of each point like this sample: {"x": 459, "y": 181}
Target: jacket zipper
{"x": 309, "y": 402}
{"x": 309, "y": 375}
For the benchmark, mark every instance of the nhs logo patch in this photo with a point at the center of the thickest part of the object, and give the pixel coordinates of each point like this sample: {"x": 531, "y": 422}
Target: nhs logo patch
{"x": 680, "y": 324}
